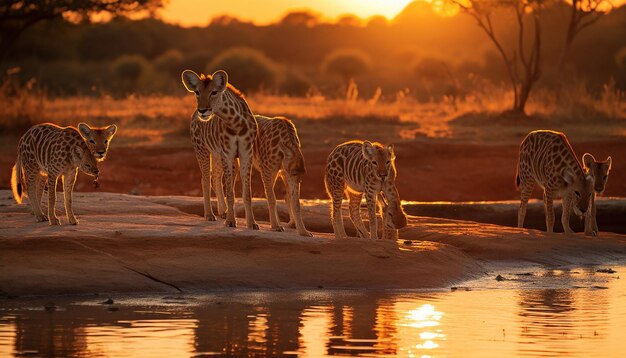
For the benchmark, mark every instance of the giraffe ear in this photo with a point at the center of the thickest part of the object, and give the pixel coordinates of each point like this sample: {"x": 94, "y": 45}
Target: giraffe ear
{"x": 609, "y": 161}
{"x": 110, "y": 131}
{"x": 190, "y": 80}
{"x": 588, "y": 160}
{"x": 392, "y": 152}
{"x": 85, "y": 130}
{"x": 369, "y": 152}
{"x": 568, "y": 176}
{"x": 220, "y": 79}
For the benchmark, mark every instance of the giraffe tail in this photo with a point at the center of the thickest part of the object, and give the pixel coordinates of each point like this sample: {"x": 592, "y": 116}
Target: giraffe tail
{"x": 16, "y": 181}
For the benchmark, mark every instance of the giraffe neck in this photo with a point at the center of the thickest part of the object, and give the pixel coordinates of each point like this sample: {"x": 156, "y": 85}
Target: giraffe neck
{"x": 234, "y": 109}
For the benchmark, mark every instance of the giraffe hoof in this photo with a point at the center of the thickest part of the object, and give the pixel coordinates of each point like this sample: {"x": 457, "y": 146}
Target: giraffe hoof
{"x": 291, "y": 224}
{"x": 55, "y": 221}
{"x": 278, "y": 229}
{"x": 230, "y": 223}
{"x": 74, "y": 222}
{"x": 42, "y": 218}
{"x": 210, "y": 217}
{"x": 255, "y": 226}
{"x": 306, "y": 233}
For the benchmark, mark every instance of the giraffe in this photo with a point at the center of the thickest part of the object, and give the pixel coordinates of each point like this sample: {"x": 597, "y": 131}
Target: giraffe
{"x": 49, "y": 151}
{"x": 546, "y": 158}
{"x": 599, "y": 171}
{"x": 222, "y": 125}
{"x": 276, "y": 153}
{"x": 362, "y": 168}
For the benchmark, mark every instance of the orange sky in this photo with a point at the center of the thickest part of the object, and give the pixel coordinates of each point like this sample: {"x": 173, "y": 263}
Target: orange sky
{"x": 199, "y": 12}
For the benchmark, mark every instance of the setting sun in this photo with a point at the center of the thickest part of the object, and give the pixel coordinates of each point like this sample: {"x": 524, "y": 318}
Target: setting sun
{"x": 198, "y": 13}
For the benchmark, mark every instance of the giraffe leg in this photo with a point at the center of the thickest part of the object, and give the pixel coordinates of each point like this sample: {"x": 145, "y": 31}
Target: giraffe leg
{"x": 548, "y": 202}
{"x": 229, "y": 178}
{"x": 69, "y": 179}
{"x": 245, "y": 170}
{"x": 269, "y": 179}
{"x": 335, "y": 188}
{"x": 566, "y": 213}
{"x": 217, "y": 175}
{"x": 52, "y": 197}
{"x": 32, "y": 182}
{"x": 370, "y": 200}
{"x": 293, "y": 190}
{"x": 289, "y": 181}
{"x": 526, "y": 190}
{"x": 354, "y": 206}
{"x": 591, "y": 226}
{"x": 204, "y": 161}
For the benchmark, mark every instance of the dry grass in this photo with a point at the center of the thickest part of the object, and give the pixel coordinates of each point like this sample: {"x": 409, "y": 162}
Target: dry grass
{"x": 23, "y": 107}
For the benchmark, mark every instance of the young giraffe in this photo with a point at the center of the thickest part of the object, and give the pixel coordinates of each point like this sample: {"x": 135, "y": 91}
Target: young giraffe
{"x": 276, "y": 152}
{"x": 362, "y": 168}
{"x": 599, "y": 171}
{"x": 224, "y": 126}
{"x": 97, "y": 139}
{"x": 546, "y": 158}
{"x": 49, "y": 151}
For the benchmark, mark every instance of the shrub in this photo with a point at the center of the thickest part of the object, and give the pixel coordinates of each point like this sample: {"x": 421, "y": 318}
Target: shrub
{"x": 170, "y": 62}
{"x": 129, "y": 67}
{"x": 248, "y": 69}
{"x": 346, "y": 63}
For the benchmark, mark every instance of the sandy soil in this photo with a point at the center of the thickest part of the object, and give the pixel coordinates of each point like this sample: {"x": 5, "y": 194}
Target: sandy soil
{"x": 128, "y": 243}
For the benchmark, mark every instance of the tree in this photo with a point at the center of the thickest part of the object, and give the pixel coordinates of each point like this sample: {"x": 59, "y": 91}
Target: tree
{"x": 18, "y": 15}
{"x": 583, "y": 13}
{"x": 522, "y": 80}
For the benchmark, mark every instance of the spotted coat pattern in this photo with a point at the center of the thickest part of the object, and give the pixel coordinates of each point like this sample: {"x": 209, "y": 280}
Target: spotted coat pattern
{"x": 223, "y": 126}
{"x": 45, "y": 153}
{"x": 547, "y": 159}
{"x": 362, "y": 168}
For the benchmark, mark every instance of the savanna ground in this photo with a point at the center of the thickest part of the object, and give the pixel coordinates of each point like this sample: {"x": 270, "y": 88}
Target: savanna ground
{"x": 450, "y": 150}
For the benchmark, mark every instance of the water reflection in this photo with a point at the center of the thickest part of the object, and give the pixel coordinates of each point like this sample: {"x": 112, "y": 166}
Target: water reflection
{"x": 507, "y": 322}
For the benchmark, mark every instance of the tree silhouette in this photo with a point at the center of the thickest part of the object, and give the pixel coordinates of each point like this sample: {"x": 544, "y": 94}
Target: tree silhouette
{"x": 346, "y": 63}
{"x": 522, "y": 80}
{"x": 583, "y": 13}
{"x": 18, "y": 15}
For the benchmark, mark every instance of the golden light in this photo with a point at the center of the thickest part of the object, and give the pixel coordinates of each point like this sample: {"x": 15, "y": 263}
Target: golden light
{"x": 424, "y": 316}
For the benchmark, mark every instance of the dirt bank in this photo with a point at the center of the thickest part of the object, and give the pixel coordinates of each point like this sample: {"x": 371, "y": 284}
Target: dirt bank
{"x": 130, "y": 243}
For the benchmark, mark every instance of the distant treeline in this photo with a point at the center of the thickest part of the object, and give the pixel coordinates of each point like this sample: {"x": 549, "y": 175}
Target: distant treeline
{"x": 418, "y": 53}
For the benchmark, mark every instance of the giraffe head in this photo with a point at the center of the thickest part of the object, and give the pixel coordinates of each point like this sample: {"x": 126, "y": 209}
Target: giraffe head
{"x": 599, "y": 170}
{"x": 382, "y": 159}
{"x": 580, "y": 187}
{"x": 97, "y": 138}
{"x": 208, "y": 91}
{"x": 394, "y": 217}
{"x": 293, "y": 160}
{"x": 82, "y": 158}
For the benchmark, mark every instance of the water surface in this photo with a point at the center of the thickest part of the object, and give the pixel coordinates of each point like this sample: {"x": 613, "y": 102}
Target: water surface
{"x": 574, "y": 312}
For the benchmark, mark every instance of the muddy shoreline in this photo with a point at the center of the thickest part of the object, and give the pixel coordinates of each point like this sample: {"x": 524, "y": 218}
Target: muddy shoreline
{"x": 128, "y": 243}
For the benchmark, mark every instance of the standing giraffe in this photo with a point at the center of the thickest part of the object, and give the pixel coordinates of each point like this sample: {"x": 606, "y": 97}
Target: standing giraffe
{"x": 45, "y": 153}
{"x": 222, "y": 125}
{"x": 276, "y": 152}
{"x": 599, "y": 171}
{"x": 546, "y": 158}
{"x": 362, "y": 168}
